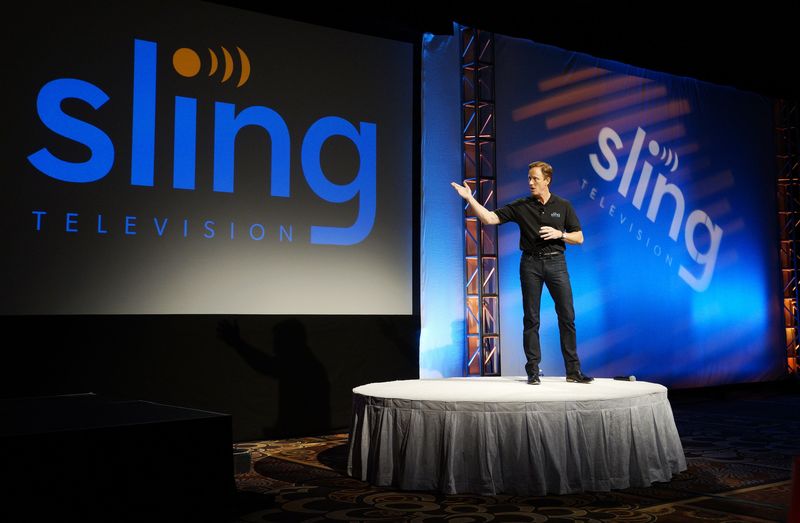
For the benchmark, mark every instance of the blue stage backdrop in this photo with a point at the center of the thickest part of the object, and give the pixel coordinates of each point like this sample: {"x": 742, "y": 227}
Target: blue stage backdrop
{"x": 673, "y": 180}
{"x": 183, "y": 157}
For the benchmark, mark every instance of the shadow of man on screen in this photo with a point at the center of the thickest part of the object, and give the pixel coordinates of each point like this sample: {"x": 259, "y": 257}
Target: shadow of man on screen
{"x": 303, "y": 385}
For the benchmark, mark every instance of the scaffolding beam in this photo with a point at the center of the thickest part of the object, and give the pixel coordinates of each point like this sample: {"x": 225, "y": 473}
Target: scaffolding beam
{"x": 481, "y": 281}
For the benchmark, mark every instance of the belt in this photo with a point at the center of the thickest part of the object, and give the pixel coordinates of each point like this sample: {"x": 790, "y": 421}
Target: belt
{"x": 542, "y": 254}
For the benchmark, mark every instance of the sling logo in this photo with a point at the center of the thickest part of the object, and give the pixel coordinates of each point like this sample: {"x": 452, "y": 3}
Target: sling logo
{"x": 608, "y": 141}
{"x": 187, "y": 63}
{"x": 228, "y": 121}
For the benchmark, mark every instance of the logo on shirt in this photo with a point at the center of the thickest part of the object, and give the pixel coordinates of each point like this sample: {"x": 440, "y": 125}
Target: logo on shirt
{"x": 555, "y": 215}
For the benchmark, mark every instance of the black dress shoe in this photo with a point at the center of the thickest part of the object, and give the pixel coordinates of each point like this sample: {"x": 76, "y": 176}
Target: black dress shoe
{"x": 579, "y": 378}
{"x": 534, "y": 380}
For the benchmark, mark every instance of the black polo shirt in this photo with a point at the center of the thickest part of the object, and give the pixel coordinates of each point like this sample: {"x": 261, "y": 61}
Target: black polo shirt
{"x": 530, "y": 215}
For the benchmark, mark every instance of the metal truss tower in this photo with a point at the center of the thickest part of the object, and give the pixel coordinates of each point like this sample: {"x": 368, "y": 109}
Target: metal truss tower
{"x": 787, "y": 141}
{"x": 480, "y": 241}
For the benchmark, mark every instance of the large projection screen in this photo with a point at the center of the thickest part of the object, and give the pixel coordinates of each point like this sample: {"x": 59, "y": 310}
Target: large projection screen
{"x": 189, "y": 158}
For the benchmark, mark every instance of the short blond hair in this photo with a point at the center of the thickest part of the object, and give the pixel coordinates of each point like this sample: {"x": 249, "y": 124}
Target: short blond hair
{"x": 547, "y": 169}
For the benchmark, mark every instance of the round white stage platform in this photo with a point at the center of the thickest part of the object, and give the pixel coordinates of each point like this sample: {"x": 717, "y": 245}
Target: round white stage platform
{"x": 495, "y": 435}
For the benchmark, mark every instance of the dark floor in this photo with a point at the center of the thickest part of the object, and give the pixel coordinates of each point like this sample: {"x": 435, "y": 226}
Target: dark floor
{"x": 739, "y": 443}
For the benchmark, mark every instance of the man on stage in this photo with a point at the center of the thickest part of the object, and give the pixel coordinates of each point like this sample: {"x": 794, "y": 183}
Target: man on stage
{"x": 547, "y": 223}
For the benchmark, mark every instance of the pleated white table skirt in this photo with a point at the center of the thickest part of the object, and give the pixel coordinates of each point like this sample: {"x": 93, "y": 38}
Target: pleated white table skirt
{"x": 496, "y": 435}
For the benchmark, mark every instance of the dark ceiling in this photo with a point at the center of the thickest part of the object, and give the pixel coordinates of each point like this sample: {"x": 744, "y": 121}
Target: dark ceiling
{"x": 756, "y": 49}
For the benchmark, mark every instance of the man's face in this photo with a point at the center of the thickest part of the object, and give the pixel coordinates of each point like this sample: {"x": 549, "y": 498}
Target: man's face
{"x": 537, "y": 182}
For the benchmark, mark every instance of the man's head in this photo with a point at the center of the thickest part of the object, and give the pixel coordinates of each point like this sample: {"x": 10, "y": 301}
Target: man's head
{"x": 540, "y": 174}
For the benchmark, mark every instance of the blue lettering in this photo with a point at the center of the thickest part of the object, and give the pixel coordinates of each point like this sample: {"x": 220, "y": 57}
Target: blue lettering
{"x": 100, "y": 229}
{"x": 143, "y": 143}
{"x": 362, "y": 185}
{"x": 160, "y": 228}
{"x": 227, "y": 124}
{"x": 257, "y": 226}
{"x": 209, "y": 226}
{"x": 286, "y": 234}
{"x": 226, "y": 127}
{"x": 72, "y": 220}
{"x": 39, "y": 215}
{"x": 130, "y": 225}
{"x": 185, "y": 143}
{"x": 48, "y": 104}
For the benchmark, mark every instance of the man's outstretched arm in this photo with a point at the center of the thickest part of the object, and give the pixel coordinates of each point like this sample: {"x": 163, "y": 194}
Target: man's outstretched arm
{"x": 486, "y": 216}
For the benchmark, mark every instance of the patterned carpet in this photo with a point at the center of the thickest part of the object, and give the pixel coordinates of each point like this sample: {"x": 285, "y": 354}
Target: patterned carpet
{"x": 739, "y": 448}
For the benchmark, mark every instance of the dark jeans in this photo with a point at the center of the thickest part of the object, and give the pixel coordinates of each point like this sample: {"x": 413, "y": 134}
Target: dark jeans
{"x": 551, "y": 271}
